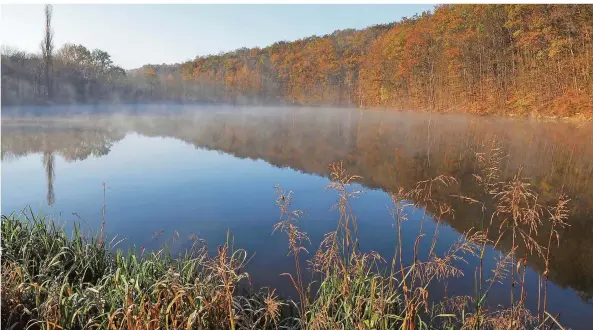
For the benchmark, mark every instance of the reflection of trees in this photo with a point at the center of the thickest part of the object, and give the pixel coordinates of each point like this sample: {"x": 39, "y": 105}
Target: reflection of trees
{"x": 72, "y": 143}
{"x": 388, "y": 151}
{"x": 391, "y": 151}
{"x": 48, "y": 163}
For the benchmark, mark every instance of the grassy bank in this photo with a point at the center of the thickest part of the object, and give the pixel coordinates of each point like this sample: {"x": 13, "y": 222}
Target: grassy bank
{"x": 52, "y": 279}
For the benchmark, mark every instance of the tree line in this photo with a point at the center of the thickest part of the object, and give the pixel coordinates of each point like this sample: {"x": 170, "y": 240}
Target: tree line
{"x": 70, "y": 74}
{"x": 503, "y": 59}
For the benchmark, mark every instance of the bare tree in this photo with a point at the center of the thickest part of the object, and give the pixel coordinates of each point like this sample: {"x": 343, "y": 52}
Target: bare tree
{"x": 47, "y": 48}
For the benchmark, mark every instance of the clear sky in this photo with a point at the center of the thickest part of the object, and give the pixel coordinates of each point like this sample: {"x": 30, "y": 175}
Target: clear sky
{"x": 140, "y": 34}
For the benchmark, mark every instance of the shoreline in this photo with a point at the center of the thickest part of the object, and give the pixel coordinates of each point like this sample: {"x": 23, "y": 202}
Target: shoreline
{"x": 33, "y": 110}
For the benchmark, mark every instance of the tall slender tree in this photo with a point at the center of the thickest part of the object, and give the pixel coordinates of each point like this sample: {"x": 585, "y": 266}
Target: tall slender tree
{"x": 47, "y": 48}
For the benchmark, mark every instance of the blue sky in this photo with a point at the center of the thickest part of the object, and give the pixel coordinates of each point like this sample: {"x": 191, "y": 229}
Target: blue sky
{"x": 139, "y": 34}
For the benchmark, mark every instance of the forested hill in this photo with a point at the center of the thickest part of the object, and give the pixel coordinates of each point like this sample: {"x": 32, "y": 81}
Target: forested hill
{"x": 487, "y": 59}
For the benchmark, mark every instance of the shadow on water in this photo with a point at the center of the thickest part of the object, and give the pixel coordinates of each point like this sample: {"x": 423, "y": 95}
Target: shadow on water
{"x": 387, "y": 150}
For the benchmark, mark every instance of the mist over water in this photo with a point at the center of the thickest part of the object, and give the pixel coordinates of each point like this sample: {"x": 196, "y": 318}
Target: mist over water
{"x": 206, "y": 169}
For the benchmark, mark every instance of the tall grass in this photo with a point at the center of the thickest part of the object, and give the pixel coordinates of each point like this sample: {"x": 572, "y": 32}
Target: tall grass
{"x": 52, "y": 280}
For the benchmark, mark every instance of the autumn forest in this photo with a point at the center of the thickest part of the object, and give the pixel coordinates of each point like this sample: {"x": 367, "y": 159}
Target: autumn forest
{"x": 482, "y": 59}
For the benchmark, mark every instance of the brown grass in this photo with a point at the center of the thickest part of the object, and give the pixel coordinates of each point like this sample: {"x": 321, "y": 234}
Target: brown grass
{"x": 357, "y": 290}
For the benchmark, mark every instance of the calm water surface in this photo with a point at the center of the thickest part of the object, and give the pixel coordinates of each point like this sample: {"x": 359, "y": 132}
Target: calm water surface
{"x": 206, "y": 170}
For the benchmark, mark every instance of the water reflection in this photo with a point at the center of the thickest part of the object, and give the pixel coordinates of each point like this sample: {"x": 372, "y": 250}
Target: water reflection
{"x": 48, "y": 163}
{"x": 387, "y": 150}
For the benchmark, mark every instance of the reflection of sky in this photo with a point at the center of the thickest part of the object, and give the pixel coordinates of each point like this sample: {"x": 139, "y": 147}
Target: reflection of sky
{"x": 166, "y": 184}
{"x": 155, "y": 182}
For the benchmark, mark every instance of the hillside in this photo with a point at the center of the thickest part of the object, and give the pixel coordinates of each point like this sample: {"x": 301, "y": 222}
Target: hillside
{"x": 483, "y": 59}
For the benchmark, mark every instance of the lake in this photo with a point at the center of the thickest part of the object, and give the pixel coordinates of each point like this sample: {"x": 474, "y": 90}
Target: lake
{"x": 174, "y": 171}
